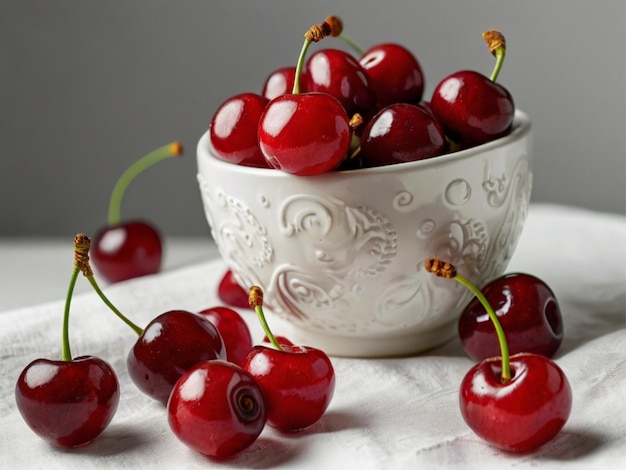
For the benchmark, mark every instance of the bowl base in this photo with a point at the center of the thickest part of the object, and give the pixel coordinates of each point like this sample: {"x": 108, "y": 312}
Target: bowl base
{"x": 393, "y": 345}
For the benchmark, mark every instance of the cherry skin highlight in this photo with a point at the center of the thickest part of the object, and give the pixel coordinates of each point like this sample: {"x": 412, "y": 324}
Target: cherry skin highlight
{"x": 528, "y": 311}
{"x": 521, "y": 414}
{"x": 234, "y": 332}
{"x": 68, "y": 403}
{"x": 216, "y": 408}
{"x": 279, "y": 82}
{"x": 297, "y": 382}
{"x": 304, "y": 134}
{"x": 233, "y": 130}
{"x": 230, "y": 292}
{"x": 127, "y": 250}
{"x": 170, "y": 345}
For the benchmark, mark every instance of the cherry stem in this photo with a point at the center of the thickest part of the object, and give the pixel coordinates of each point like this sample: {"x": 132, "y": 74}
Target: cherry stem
{"x": 497, "y": 46}
{"x": 84, "y": 266}
{"x": 331, "y": 26}
{"x": 79, "y": 253}
{"x": 448, "y": 271}
{"x": 172, "y": 149}
{"x": 255, "y": 299}
{"x": 353, "y": 44}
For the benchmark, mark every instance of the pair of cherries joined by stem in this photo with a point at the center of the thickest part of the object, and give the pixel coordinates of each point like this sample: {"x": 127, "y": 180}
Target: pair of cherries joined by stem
{"x": 515, "y": 402}
{"x": 128, "y": 249}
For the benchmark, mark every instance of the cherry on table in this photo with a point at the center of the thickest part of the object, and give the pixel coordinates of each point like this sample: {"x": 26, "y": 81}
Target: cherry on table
{"x": 128, "y": 249}
{"x": 68, "y": 402}
{"x": 528, "y": 311}
{"x": 216, "y": 408}
{"x": 230, "y": 292}
{"x": 234, "y": 332}
{"x": 516, "y": 403}
{"x": 298, "y": 382}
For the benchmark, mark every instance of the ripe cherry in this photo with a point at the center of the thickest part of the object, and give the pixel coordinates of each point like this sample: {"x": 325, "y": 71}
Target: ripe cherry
{"x": 125, "y": 250}
{"x": 279, "y": 82}
{"x": 399, "y": 133}
{"x": 528, "y": 311}
{"x": 233, "y": 130}
{"x": 473, "y": 108}
{"x": 305, "y": 133}
{"x": 394, "y": 74}
{"x": 230, "y": 292}
{"x": 216, "y": 408}
{"x": 516, "y": 403}
{"x": 68, "y": 402}
{"x": 234, "y": 332}
{"x": 339, "y": 74}
{"x": 298, "y": 382}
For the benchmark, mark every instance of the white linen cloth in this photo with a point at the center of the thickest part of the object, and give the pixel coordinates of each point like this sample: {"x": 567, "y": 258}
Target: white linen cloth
{"x": 386, "y": 413}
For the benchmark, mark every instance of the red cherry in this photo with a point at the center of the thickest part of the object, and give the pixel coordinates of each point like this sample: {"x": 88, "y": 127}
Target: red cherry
{"x": 304, "y": 134}
{"x": 279, "y": 82}
{"x": 297, "y": 383}
{"x": 234, "y": 332}
{"x": 394, "y": 74}
{"x": 170, "y": 345}
{"x": 521, "y": 414}
{"x": 339, "y": 74}
{"x": 233, "y": 130}
{"x": 399, "y": 133}
{"x": 127, "y": 250}
{"x": 230, "y": 292}
{"x": 68, "y": 403}
{"x": 472, "y": 108}
{"x": 216, "y": 408}
{"x": 528, "y": 311}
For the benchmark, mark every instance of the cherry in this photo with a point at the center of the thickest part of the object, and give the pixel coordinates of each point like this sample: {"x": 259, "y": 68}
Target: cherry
{"x": 230, "y": 292}
{"x": 68, "y": 402}
{"x": 234, "y": 332}
{"x": 529, "y": 313}
{"x": 339, "y": 74}
{"x": 279, "y": 82}
{"x": 233, "y": 130}
{"x": 516, "y": 403}
{"x": 305, "y": 133}
{"x": 216, "y": 408}
{"x": 168, "y": 346}
{"x": 401, "y": 132}
{"x": 125, "y": 250}
{"x": 472, "y": 108}
{"x": 298, "y": 382}
{"x": 394, "y": 74}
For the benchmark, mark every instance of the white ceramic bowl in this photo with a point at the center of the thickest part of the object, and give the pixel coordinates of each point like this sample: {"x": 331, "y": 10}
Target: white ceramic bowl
{"x": 340, "y": 255}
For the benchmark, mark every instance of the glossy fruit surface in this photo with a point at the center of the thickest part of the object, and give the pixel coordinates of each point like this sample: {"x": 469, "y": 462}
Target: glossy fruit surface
{"x": 528, "y": 311}
{"x": 279, "y": 82}
{"x": 339, "y": 74}
{"x": 68, "y": 403}
{"x": 472, "y": 108}
{"x": 171, "y": 344}
{"x": 216, "y": 408}
{"x": 127, "y": 250}
{"x": 297, "y": 383}
{"x": 234, "y": 332}
{"x": 400, "y": 133}
{"x": 304, "y": 134}
{"x": 230, "y": 292}
{"x": 394, "y": 74}
{"x": 233, "y": 130}
{"x": 522, "y": 414}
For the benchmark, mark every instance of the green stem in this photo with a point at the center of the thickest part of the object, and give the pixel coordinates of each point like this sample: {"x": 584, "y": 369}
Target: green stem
{"x": 299, "y": 65}
{"x": 504, "y": 347}
{"x": 109, "y": 304}
{"x": 115, "y": 204}
{"x": 66, "y": 353}
{"x": 353, "y": 44}
{"x": 499, "y": 54}
{"x": 261, "y": 316}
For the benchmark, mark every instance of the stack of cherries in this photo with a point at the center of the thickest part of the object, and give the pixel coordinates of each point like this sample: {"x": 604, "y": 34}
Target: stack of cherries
{"x": 219, "y": 390}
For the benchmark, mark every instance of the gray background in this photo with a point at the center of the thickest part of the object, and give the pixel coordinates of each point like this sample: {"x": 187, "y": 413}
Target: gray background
{"x": 87, "y": 87}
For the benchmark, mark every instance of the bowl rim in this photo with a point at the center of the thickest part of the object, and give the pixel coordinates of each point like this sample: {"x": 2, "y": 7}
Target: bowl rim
{"x": 521, "y": 128}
